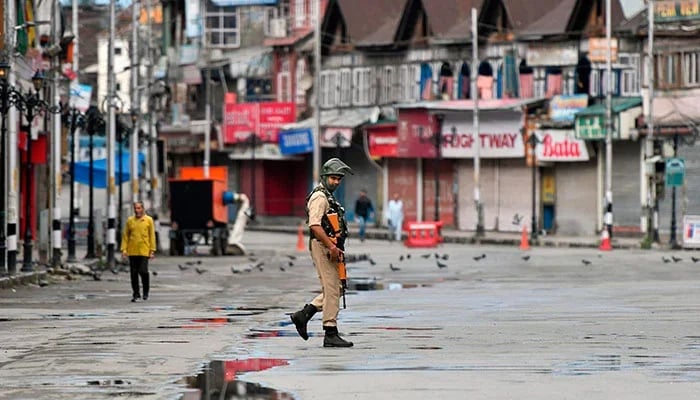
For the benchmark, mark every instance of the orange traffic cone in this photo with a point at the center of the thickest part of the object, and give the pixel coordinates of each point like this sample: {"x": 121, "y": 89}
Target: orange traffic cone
{"x": 524, "y": 242}
{"x": 300, "y": 238}
{"x": 605, "y": 241}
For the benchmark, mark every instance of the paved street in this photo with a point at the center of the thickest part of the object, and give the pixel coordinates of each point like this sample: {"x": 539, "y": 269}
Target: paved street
{"x": 565, "y": 323}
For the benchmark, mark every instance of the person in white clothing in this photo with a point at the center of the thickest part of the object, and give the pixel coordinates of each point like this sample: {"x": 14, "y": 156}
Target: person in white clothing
{"x": 395, "y": 217}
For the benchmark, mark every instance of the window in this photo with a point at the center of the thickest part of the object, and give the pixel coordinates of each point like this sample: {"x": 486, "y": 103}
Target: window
{"x": 361, "y": 86}
{"x": 599, "y": 82}
{"x": 284, "y": 89}
{"x": 275, "y": 14}
{"x": 677, "y": 70}
{"x": 329, "y": 89}
{"x": 539, "y": 83}
{"x": 345, "y": 87}
{"x": 691, "y": 69}
{"x": 299, "y": 13}
{"x": 386, "y": 93}
{"x": 300, "y": 74}
{"x": 222, "y": 26}
{"x": 117, "y": 50}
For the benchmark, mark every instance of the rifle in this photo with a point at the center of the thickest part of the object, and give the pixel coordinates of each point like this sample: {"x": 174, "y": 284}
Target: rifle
{"x": 339, "y": 242}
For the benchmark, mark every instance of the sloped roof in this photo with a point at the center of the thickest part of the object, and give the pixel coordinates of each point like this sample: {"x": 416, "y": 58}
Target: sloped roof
{"x": 523, "y": 13}
{"x": 450, "y": 19}
{"x": 371, "y": 22}
{"x": 558, "y": 20}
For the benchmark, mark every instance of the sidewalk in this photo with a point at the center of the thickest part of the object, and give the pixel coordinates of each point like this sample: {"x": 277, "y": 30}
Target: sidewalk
{"x": 449, "y": 236}
{"x": 469, "y": 237}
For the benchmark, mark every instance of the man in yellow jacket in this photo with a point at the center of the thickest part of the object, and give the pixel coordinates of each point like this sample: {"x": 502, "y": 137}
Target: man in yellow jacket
{"x": 139, "y": 244}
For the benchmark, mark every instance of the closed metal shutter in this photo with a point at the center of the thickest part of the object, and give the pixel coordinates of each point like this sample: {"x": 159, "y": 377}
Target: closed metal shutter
{"x": 576, "y": 208}
{"x": 627, "y": 208}
{"x": 687, "y": 197}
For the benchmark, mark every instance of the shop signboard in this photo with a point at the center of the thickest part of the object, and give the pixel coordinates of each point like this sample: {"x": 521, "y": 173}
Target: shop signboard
{"x": 263, "y": 119}
{"x": 679, "y": 10}
{"x": 499, "y": 135}
{"x": 691, "y": 231}
{"x": 557, "y": 145}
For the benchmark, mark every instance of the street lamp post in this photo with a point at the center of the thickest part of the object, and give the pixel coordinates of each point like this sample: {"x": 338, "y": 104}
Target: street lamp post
{"x": 532, "y": 140}
{"x": 93, "y": 121}
{"x": 74, "y": 120}
{"x": 673, "y": 242}
{"x": 4, "y": 109}
{"x": 31, "y": 104}
{"x": 253, "y": 142}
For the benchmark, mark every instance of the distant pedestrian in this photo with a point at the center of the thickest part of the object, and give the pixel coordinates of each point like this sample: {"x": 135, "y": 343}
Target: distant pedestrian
{"x": 395, "y": 217}
{"x": 139, "y": 245}
{"x": 363, "y": 211}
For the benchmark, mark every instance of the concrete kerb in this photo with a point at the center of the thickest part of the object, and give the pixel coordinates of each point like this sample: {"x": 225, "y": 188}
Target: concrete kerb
{"x": 22, "y": 278}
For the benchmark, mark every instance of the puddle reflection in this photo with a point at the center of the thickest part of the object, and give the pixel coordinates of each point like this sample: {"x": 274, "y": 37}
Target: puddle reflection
{"x": 219, "y": 381}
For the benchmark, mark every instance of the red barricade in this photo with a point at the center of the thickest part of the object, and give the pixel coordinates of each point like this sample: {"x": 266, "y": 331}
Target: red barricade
{"x": 423, "y": 234}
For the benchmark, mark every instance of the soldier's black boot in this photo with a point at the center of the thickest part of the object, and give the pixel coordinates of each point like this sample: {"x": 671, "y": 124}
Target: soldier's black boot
{"x": 302, "y": 317}
{"x": 332, "y": 339}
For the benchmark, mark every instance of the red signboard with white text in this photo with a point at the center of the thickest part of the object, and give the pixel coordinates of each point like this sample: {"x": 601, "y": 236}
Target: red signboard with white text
{"x": 263, "y": 119}
{"x": 383, "y": 140}
{"x": 415, "y": 130}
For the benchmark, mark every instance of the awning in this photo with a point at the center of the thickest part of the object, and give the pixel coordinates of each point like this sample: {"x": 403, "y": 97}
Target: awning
{"x": 250, "y": 62}
{"x": 99, "y": 171}
{"x": 619, "y": 104}
{"x": 590, "y": 122}
{"x": 466, "y": 105}
{"x": 336, "y": 126}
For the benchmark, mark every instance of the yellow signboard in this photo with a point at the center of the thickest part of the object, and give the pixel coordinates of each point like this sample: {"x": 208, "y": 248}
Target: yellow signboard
{"x": 665, "y": 11}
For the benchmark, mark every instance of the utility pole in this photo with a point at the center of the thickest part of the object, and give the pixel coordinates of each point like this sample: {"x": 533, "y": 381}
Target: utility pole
{"x": 55, "y": 168}
{"x": 11, "y": 172}
{"x": 111, "y": 127}
{"x": 475, "y": 129}
{"x": 135, "y": 102}
{"x": 653, "y": 226}
{"x": 76, "y": 69}
{"x": 608, "y": 215}
{"x": 207, "y": 101}
{"x": 316, "y": 153}
{"x": 152, "y": 133}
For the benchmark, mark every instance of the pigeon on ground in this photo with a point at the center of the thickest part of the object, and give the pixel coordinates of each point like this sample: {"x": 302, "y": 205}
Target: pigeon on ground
{"x": 665, "y": 260}
{"x": 154, "y": 272}
{"x": 252, "y": 259}
{"x": 695, "y": 259}
{"x": 481, "y": 257}
{"x": 441, "y": 265}
{"x": 526, "y": 258}
{"x": 259, "y": 265}
{"x": 391, "y": 267}
{"x": 401, "y": 257}
{"x": 445, "y": 256}
{"x": 425, "y": 255}
{"x": 372, "y": 262}
{"x": 282, "y": 268}
{"x": 291, "y": 264}
{"x": 235, "y": 271}
{"x": 292, "y": 257}
{"x": 200, "y": 270}
{"x": 97, "y": 276}
{"x": 182, "y": 268}
{"x": 676, "y": 259}
{"x": 586, "y": 262}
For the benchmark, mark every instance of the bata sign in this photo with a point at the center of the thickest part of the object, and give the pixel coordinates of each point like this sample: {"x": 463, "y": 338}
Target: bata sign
{"x": 499, "y": 136}
{"x": 561, "y": 145}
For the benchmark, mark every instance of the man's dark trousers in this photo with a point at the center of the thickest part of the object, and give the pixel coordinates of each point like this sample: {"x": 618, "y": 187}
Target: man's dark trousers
{"x": 138, "y": 266}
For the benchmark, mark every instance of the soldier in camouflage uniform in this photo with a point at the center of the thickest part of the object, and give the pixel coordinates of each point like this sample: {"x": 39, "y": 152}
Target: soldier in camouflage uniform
{"x": 325, "y": 254}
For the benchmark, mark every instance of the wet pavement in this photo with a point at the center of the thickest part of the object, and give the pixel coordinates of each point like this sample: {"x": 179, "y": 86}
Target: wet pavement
{"x": 569, "y": 323}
